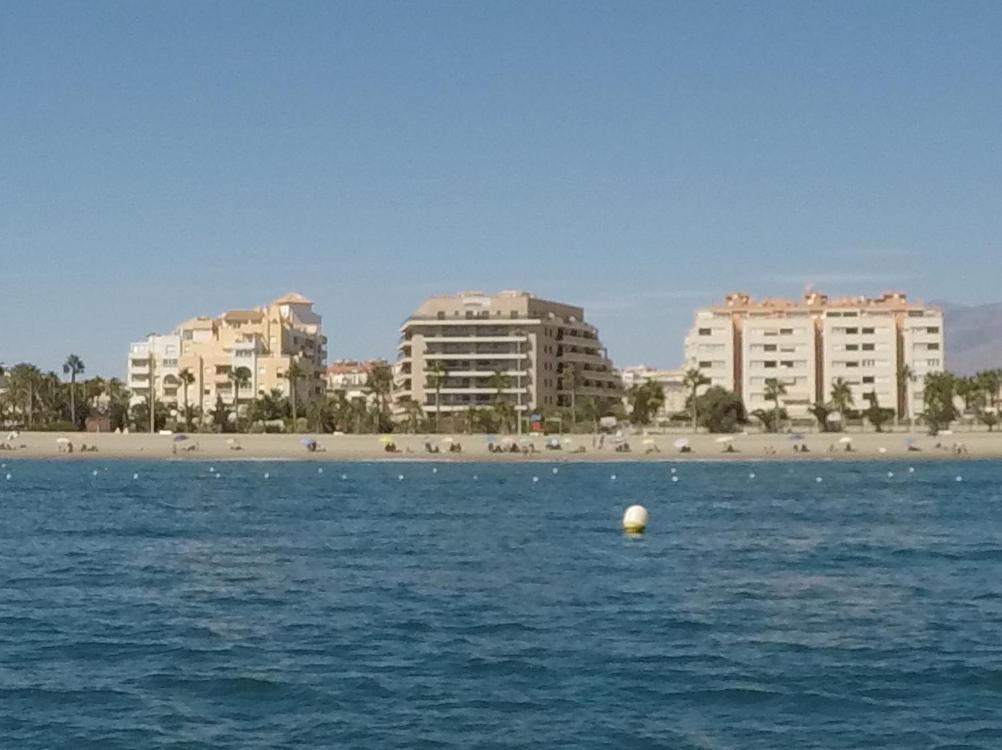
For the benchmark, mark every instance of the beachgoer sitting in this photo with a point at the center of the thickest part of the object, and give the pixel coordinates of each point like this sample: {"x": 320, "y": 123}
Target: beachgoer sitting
{"x": 430, "y": 448}
{"x": 730, "y": 448}
{"x": 455, "y": 448}
{"x": 391, "y": 447}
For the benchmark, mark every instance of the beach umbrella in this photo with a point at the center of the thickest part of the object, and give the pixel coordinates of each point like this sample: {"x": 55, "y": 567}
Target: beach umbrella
{"x": 796, "y": 436}
{"x": 308, "y": 442}
{"x": 881, "y": 449}
{"x": 231, "y": 441}
{"x": 490, "y": 438}
{"x": 647, "y": 441}
{"x": 553, "y": 442}
{"x": 180, "y": 438}
{"x": 845, "y": 440}
{"x": 448, "y": 440}
{"x": 568, "y": 441}
{"x": 385, "y": 440}
{"x": 12, "y": 435}
{"x": 725, "y": 439}
{"x": 908, "y": 442}
{"x": 62, "y": 441}
{"x": 681, "y": 443}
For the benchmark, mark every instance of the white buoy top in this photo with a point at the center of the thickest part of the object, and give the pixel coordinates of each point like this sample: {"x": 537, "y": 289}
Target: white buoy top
{"x": 635, "y": 519}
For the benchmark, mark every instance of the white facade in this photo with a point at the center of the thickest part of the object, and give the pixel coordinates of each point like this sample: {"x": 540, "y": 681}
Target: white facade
{"x": 671, "y": 382}
{"x": 871, "y": 344}
{"x": 153, "y": 360}
{"x": 861, "y": 349}
{"x": 709, "y": 347}
{"x": 784, "y": 349}
{"x": 922, "y": 353}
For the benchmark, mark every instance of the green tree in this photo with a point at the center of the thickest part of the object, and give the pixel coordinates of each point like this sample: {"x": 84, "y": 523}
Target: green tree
{"x": 380, "y": 381}
{"x": 937, "y": 397}
{"x": 693, "y": 380}
{"x": 989, "y": 383}
{"x": 436, "y": 379}
{"x": 241, "y": 378}
{"x": 877, "y": 415}
{"x": 646, "y": 399}
{"x": 294, "y": 374}
{"x": 187, "y": 378}
{"x": 720, "y": 410}
{"x": 841, "y": 397}
{"x": 906, "y": 376}
{"x": 821, "y": 412}
{"x": 73, "y": 366}
{"x": 500, "y": 382}
{"x": 413, "y": 413}
{"x": 774, "y": 390}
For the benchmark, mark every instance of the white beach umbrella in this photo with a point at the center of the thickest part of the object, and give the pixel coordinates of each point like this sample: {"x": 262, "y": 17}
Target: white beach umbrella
{"x": 846, "y": 439}
{"x": 681, "y": 443}
{"x": 725, "y": 439}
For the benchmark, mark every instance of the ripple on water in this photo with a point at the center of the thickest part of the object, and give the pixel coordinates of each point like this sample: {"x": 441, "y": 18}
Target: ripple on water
{"x": 300, "y": 611}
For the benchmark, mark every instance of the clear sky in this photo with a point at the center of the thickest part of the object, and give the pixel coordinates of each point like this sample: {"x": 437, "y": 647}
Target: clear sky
{"x": 162, "y": 160}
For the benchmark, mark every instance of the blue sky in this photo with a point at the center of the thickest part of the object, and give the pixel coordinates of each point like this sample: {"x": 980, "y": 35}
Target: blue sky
{"x": 161, "y": 160}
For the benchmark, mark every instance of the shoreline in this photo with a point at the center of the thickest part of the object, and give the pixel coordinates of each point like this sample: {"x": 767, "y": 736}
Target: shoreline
{"x": 412, "y": 448}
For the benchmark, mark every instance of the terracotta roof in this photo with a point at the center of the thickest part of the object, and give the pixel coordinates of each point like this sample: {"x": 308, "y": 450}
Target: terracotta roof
{"x": 293, "y": 298}
{"x": 243, "y": 315}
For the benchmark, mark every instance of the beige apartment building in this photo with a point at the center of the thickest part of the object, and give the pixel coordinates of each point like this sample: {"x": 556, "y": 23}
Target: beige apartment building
{"x": 546, "y": 351}
{"x": 870, "y": 343}
{"x": 265, "y": 340}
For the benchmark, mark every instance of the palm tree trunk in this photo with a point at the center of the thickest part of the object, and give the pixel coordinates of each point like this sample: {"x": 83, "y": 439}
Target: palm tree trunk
{"x": 73, "y": 400}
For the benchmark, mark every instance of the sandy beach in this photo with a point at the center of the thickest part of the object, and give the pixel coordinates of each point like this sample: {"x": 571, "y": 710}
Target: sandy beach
{"x": 653, "y": 447}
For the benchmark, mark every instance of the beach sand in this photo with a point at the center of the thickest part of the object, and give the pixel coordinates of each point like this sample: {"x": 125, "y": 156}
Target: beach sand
{"x": 868, "y": 445}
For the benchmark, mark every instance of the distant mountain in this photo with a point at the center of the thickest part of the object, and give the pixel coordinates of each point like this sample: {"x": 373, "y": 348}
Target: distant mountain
{"x": 973, "y": 336}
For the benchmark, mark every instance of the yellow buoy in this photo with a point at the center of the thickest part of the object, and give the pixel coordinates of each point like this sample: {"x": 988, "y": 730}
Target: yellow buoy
{"x": 635, "y": 519}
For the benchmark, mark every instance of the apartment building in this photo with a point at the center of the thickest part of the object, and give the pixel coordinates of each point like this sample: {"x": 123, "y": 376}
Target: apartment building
{"x": 872, "y": 344}
{"x": 545, "y": 352}
{"x": 671, "y": 382}
{"x": 351, "y": 377}
{"x": 266, "y": 340}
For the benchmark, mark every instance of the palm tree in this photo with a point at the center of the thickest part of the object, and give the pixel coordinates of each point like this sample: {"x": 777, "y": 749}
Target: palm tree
{"x": 906, "y": 376}
{"x": 294, "y": 374}
{"x": 380, "y": 380}
{"x": 187, "y": 378}
{"x": 692, "y": 380}
{"x": 499, "y": 382}
{"x": 571, "y": 381}
{"x": 436, "y": 376}
{"x": 774, "y": 389}
{"x": 412, "y": 412}
{"x": 240, "y": 376}
{"x": 841, "y": 398}
{"x": 990, "y": 382}
{"x": 73, "y": 367}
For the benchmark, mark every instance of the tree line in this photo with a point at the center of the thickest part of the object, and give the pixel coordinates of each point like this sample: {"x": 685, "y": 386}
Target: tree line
{"x": 720, "y": 410}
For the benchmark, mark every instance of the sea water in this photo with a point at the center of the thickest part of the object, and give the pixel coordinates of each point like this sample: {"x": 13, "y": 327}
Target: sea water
{"x": 156, "y": 605}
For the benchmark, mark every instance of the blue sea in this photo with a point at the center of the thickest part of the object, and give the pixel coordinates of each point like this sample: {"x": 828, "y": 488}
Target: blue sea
{"x": 419, "y": 605}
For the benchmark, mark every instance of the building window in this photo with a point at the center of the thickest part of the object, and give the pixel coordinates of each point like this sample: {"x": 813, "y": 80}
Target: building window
{"x": 851, "y": 347}
{"x": 933, "y": 347}
{"x": 868, "y": 379}
{"x": 868, "y": 331}
{"x": 770, "y": 363}
{"x": 785, "y": 331}
{"x": 705, "y": 331}
{"x": 705, "y": 365}
{"x": 869, "y": 363}
{"x": 932, "y": 329}
{"x": 868, "y": 347}
{"x": 852, "y": 331}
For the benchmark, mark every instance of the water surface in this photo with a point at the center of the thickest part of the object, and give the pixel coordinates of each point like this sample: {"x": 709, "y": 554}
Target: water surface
{"x": 471, "y": 607}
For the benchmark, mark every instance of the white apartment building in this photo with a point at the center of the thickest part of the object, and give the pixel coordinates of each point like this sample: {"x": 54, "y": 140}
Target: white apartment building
{"x": 861, "y": 348}
{"x": 870, "y": 343}
{"x": 153, "y": 361}
{"x": 780, "y": 348}
{"x": 709, "y": 347}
